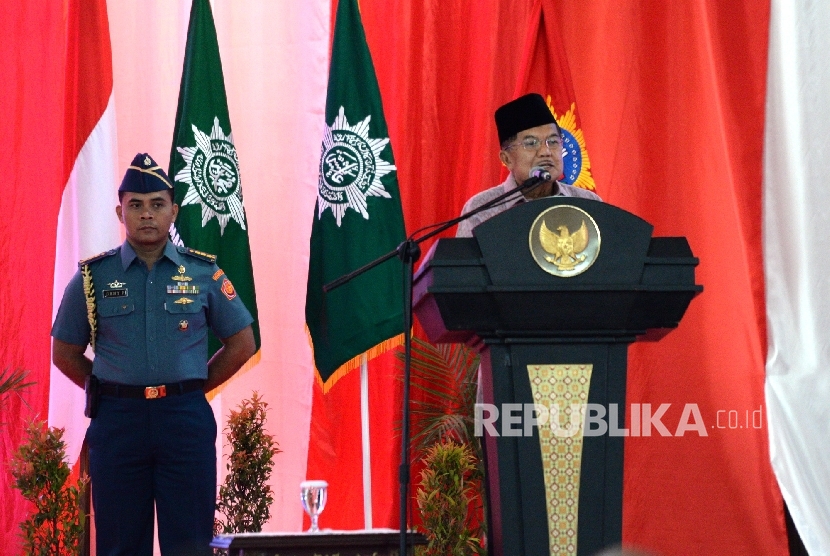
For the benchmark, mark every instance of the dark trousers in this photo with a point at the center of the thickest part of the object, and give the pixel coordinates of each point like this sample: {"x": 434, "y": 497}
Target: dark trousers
{"x": 146, "y": 452}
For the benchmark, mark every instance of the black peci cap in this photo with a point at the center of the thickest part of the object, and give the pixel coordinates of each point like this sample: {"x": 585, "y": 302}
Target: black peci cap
{"x": 525, "y": 112}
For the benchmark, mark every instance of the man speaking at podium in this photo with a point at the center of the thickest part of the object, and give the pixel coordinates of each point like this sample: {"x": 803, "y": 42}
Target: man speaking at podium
{"x": 531, "y": 143}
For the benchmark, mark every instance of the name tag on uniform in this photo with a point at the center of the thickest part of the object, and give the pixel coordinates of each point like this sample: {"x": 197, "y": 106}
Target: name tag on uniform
{"x": 115, "y": 293}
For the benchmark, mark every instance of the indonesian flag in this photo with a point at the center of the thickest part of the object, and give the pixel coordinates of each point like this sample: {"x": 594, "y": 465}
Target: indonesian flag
{"x": 86, "y": 222}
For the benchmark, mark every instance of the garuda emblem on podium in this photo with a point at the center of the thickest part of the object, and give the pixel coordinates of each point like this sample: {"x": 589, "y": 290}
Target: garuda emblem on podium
{"x": 565, "y": 248}
{"x": 564, "y": 241}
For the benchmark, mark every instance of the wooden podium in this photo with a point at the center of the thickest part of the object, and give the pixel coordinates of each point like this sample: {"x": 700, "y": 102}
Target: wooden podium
{"x": 552, "y": 292}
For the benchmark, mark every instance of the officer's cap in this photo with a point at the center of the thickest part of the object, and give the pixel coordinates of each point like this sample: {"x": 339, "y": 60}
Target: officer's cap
{"x": 144, "y": 176}
{"x": 525, "y": 112}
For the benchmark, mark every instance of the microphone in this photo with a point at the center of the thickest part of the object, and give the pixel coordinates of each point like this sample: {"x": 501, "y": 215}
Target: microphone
{"x": 537, "y": 176}
{"x": 540, "y": 174}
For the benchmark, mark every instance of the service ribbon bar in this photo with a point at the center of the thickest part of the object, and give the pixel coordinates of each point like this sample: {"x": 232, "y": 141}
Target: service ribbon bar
{"x": 183, "y": 289}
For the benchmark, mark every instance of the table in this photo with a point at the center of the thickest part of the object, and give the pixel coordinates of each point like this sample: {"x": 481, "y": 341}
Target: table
{"x": 366, "y": 542}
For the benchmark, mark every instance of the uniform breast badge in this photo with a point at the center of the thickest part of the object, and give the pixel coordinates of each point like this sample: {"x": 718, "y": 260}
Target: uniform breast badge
{"x": 180, "y": 277}
{"x": 116, "y": 289}
{"x": 564, "y": 241}
{"x": 183, "y": 325}
{"x": 182, "y": 286}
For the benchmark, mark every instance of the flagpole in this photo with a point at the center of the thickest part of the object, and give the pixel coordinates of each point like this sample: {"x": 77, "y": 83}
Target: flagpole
{"x": 365, "y": 442}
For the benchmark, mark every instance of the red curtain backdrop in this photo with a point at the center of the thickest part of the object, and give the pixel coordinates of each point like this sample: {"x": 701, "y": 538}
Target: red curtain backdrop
{"x": 671, "y": 99}
{"x": 59, "y": 58}
{"x": 32, "y": 100}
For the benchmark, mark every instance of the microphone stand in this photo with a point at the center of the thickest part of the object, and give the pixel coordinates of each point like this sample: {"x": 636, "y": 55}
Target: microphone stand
{"x": 409, "y": 251}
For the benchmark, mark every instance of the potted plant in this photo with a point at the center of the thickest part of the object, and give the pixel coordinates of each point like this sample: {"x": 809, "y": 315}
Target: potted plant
{"x": 449, "y": 487}
{"x": 245, "y": 497}
{"x": 42, "y": 476}
{"x": 451, "y": 491}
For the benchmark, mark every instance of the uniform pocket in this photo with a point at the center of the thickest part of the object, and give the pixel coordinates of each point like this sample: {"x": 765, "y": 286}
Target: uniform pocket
{"x": 117, "y": 321}
{"x": 184, "y": 318}
{"x": 115, "y": 309}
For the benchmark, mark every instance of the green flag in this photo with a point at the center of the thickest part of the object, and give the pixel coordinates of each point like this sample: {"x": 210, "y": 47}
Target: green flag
{"x": 358, "y": 216}
{"x": 205, "y": 168}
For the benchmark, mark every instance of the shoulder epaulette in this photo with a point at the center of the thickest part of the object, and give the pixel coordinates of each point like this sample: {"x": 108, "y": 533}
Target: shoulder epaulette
{"x": 198, "y": 254}
{"x": 99, "y": 256}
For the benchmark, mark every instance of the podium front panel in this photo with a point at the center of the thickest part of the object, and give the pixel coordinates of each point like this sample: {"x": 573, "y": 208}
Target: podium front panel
{"x": 522, "y": 512}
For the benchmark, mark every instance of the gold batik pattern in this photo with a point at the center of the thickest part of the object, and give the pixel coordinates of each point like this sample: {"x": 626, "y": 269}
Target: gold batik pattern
{"x": 563, "y": 391}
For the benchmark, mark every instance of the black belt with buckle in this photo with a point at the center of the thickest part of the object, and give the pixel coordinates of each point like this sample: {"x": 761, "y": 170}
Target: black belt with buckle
{"x": 151, "y": 392}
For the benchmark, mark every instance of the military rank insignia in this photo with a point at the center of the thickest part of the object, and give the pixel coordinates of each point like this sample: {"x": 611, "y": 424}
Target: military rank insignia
{"x": 201, "y": 254}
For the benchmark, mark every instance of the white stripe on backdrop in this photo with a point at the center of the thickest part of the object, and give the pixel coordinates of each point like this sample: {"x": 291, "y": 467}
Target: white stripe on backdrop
{"x": 275, "y": 62}
{"x": 86, "y": 226}
{"x": 797, "y": 262}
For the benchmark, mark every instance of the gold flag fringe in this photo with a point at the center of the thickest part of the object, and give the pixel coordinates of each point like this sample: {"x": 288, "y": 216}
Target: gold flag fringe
{"x": 354, "y": 362}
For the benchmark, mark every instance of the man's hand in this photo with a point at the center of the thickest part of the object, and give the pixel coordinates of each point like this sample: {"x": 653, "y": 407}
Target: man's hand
{"x": 71, "y": 361}
{"x": 236, "y": 350}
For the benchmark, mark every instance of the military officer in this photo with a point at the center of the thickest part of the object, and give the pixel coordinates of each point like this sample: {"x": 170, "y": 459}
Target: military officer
{"x": 145, "y": 307}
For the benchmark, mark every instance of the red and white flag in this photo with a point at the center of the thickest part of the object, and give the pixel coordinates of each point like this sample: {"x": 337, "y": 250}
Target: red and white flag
{"x": 86, "y": 221}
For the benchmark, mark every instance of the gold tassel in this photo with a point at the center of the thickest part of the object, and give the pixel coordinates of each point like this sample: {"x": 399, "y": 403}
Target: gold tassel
{"x": 91, "y": 314}
{"x": 354, "y": 362}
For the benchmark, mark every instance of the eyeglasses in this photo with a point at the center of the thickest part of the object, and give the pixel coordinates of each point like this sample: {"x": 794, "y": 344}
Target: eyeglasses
{"x": 533, "y": 144}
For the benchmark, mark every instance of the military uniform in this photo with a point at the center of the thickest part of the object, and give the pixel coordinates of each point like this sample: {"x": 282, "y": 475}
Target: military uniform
{"x": 153, "y": 439}
{"x": 151, "y": 325}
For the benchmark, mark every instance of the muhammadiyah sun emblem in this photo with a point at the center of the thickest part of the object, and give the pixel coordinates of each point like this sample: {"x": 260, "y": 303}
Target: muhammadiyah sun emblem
{"x": 212, "y": 174}
{"x": 350, "y": 168}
